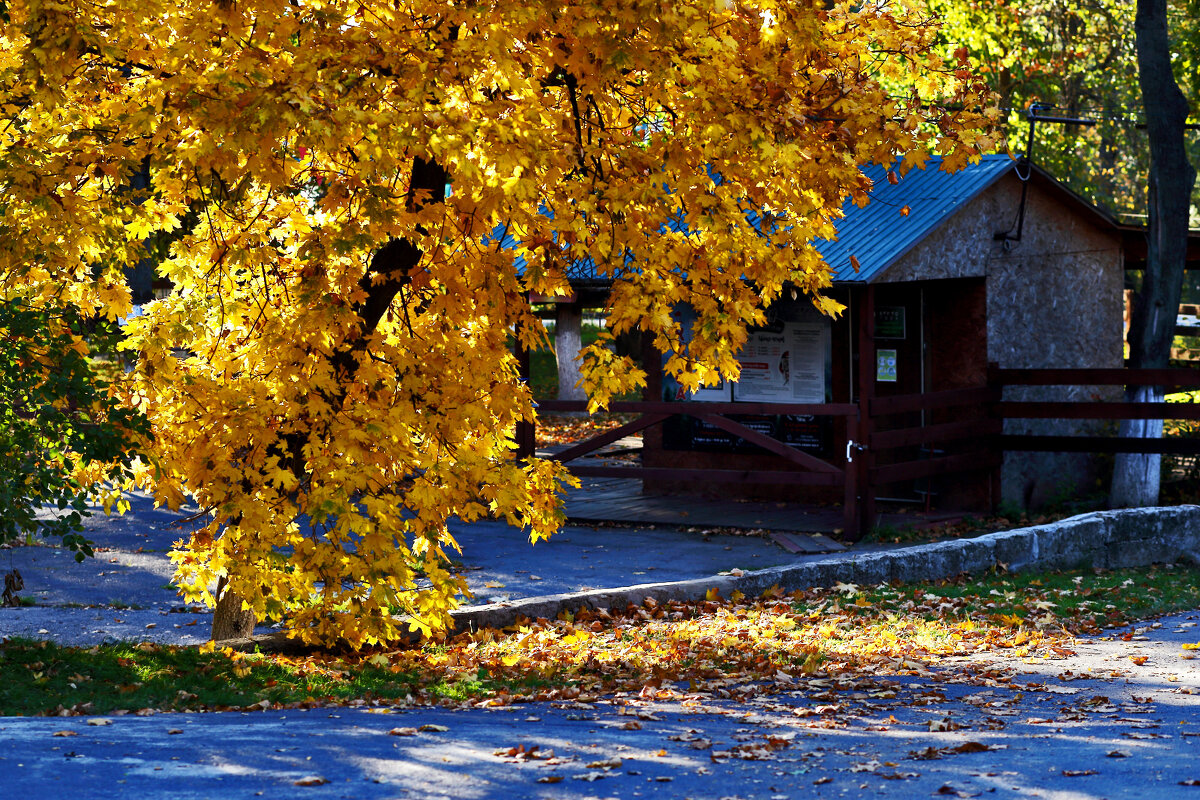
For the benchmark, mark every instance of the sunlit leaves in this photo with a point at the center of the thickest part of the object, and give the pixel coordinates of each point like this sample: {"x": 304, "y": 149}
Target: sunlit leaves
{"x": 265, "y": 151}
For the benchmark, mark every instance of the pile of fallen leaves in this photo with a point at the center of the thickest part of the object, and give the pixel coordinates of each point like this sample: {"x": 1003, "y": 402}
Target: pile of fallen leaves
{"x": 772, "y": 641}
{"x": 553, "y": 430}
{"x": 721, "y": 647}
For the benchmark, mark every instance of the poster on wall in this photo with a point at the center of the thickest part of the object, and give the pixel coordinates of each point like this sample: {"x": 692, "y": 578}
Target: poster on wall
{"x": 784, "y": 363}
{"x": 721, "y": 393}
{"x": 890, "y": 322}
{"x": 885, "y": 366}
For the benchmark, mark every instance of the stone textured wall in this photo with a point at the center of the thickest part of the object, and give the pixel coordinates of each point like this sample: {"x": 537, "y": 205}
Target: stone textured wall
{"x": 1054, "y": 300}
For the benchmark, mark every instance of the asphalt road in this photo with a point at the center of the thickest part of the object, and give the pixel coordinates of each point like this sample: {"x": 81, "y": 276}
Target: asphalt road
{"x": 1093, "y": 725}
{"x": 1119, "y": 719}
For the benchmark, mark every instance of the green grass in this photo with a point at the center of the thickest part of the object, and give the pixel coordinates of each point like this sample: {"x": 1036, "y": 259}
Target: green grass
{"x": 41, "y": 678}
{"x": 1082, "y": 599}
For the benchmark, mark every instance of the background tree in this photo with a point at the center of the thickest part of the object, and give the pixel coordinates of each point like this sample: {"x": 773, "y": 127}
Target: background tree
{"x": 65, "y": 443}
{"x": 1078, "y": 56}
{"x": 300, "y": 371}
{"x": 1172, "y": 178}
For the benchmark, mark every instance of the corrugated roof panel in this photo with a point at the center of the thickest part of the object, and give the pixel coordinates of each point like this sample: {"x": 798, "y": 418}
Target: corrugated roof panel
{"x": 877, "y": 235}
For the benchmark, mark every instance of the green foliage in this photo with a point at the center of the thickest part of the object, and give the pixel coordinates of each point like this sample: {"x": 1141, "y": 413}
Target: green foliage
{"x": 59, "y": 427}
{"x": 1078, "y": 57}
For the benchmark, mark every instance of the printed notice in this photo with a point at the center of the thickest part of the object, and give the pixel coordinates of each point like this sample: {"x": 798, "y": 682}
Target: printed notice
{"x": 784, "y": 365}
{"x": 885, "y": 366}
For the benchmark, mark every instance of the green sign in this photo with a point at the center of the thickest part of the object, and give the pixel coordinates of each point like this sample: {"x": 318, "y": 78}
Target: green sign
{"x": 885, "y": 366}
{"x": 889, "y": 322}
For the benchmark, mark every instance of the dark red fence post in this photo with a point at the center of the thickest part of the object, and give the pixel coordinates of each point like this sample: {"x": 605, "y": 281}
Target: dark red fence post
{"x": 526, "y": 434}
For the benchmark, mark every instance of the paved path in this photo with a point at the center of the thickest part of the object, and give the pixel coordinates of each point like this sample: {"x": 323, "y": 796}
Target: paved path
{"x": 1095, "y": 725}
{"x": 125, "y": 592}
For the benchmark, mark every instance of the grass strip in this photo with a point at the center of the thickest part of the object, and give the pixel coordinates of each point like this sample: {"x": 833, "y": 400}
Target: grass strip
{"x": 707, "y": 646}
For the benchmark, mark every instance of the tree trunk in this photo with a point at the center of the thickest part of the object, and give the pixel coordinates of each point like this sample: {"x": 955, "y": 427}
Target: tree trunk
{"x": 230, "y": 619}
{"x": 1136, "y": 476}
{"x": 568, "y": 341}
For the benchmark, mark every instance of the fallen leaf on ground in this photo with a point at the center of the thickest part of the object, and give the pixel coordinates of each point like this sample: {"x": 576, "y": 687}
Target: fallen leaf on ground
{"x": 943, "y": 724}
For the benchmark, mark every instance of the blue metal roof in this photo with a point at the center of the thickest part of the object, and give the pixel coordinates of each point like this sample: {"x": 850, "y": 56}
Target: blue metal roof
{"x": 878, "y": 234}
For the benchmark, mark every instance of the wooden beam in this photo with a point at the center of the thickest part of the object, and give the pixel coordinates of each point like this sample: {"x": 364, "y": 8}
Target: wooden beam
{"x": 1087, "y": 410}
{"x": 930, "y": 400}
{"x": 928, "y": 467}
{"x": 806, "y": 460}
{"x": 696, "y": 408}
{"x": 714, "y": 475}
{"x": 596, "y": 442}
{"x": 1098, "y": 444}
{"x": 1177, "y": 378}
{"x": 936, "y": 434}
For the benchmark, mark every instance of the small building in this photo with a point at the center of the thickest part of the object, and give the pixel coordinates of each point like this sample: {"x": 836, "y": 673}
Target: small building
{"x": 995, "y": 264}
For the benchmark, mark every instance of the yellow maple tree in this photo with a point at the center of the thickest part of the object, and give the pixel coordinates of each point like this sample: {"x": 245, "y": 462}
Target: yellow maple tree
{"x": 359, "y": 197}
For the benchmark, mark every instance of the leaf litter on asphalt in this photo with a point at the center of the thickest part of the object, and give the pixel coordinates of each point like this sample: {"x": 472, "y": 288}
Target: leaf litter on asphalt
{"x": 847, "y": 638}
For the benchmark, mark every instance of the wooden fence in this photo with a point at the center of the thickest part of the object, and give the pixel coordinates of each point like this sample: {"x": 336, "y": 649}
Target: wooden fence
{"x": 907, "y": 438}
{"x": 813, "y": 470}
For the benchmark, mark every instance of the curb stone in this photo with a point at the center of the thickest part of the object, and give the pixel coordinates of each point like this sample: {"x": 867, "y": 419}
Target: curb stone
{"x": 1102, "y": 539}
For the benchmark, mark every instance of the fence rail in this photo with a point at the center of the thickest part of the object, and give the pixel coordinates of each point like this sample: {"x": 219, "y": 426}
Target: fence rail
{"x": 810, "y": 470}
{"x": 930, "y": 439}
